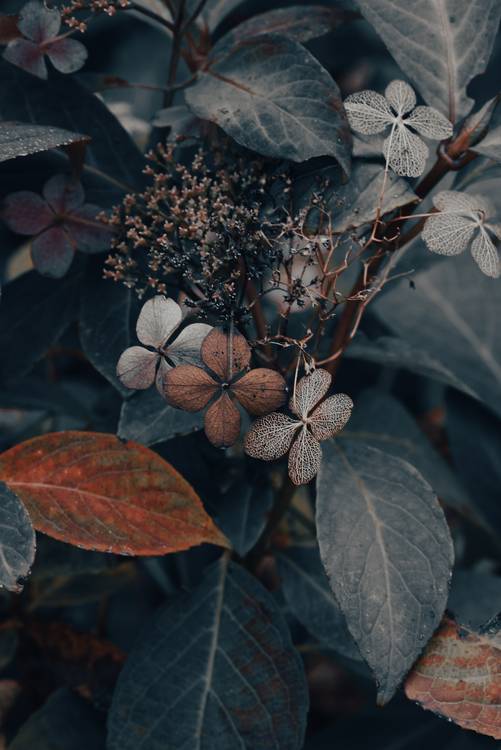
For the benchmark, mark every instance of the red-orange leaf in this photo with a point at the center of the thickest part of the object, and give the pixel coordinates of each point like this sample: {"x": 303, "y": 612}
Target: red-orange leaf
{"x": 459, "y": 676}
{"x": 97, "y": 492}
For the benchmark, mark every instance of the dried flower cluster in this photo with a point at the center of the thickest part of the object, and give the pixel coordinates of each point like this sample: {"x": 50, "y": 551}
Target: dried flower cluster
{"x": 209, "y": 227}
{"x": 208, "y": 368}
{"x": 109, "y": 7}
{"x": 59, "y": 221}
{"x": 464, "y": 221}
{"x": 405, "y": 152}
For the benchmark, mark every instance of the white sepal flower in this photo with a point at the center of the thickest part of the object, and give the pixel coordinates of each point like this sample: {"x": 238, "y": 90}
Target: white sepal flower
{"x": 157, "y": 321}
{"x": 272, "y": 436}
{"x": 462, "y": 223}
{"x": 406, "y": 153}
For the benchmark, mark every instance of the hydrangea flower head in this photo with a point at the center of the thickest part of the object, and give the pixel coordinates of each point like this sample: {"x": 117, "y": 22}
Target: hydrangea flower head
{"x": 272, "y": 436}
{"x": 464, "y": 221}
{"x": 406, "y": 153}
{"x": 160, "y": 317}
{"x": 224, "y": 379}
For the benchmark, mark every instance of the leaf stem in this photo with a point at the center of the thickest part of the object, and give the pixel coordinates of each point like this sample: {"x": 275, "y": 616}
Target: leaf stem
{"x": 453, "y": 156}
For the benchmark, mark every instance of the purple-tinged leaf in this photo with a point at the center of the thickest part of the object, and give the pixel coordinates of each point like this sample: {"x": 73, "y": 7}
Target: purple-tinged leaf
{"x": 26, "y": 213}
{"x": 39, "y": 23}
{"x": 17, "y": 541}
{"x": 26, "y": 55}
{"x": 63, "y": 194}
{"x": 67, "y": 55}
{"x": 52, "y": 252}
{"x": 88, "y": 232}
{"x": 40, "y": 26}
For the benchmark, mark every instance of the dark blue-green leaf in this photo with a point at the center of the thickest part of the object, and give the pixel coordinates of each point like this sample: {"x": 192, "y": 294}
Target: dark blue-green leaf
{"x": 35, "y": 311}
{"x": 148, "y": 419}
{"x": 387, "y": 550}
{"x": 311, "y": 601}
{"x": 215, "y": 669}
{"x": 17, "y": 541}
{"x": 64, "y": 722}
{"x": 452, "y": 315}
{"x": 272, "y": 96}
{"x": 18, "y": 139}
{"x": 383, "y": 422}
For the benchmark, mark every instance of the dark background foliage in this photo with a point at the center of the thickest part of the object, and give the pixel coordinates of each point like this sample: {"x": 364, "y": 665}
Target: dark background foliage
{"x": 423, "y": 394}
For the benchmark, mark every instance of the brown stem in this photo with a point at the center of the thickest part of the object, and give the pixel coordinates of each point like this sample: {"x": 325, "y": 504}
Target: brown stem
{"x": 453, "y": 157}
{"x": 278, "y": 511}
{"x": 174, "y": 56}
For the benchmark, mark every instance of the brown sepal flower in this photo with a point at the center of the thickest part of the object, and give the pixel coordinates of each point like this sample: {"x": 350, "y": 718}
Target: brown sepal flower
{"x": 225, "y": 380}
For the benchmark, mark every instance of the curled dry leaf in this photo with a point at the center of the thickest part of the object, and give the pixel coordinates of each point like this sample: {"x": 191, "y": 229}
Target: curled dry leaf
{"x": 40, "y": 28}
{"x": 406, "y": 153}
{"x": 273, "y": 435}
{"x": 158, "y": 320}
{"x": 97, "y": 492}
{"x": 60, "y": 223}
{"x": 464, "y": 221}
{"x": 459, "y": 676}
{"x": 225, "y": 356}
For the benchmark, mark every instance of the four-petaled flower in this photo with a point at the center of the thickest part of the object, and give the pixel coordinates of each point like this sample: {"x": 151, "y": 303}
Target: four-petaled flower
{"x": 60, "y": 221}
{"x": 225, "y": 379}
{"x": 406, "y": 153}
{"x": 272, "y": 436}
{"x": 462, "y": 222}
{"x": 40, "y": 27}
{"x": 138, "y": 366}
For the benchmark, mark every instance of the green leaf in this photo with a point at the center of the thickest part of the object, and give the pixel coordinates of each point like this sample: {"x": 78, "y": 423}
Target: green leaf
{"x": 388, "y": 553}
{"x": 106, "y": 323}
{"x": 220, "y": 657}
{"x": 17, "y": 139}
{"x": 148, "y": 419}
{"x": 65, "y": 722}
{"x": 383, "y": 422}
{"x": 394, "y": 352}
{"x": 490, "y": 145}
{"x": 452, "y": 315}
{"x": 241, "y": 511}
{"x": 474, "y": 597}
{"x": 474, "y": 438}
{"x": 272, "y": 96}
{"x": 35, "y": 312}
{"x": 311, "y": 601}
{"x": 441, "y": 45}
{"x": 111, "y": 152}
{"x": 301, "y": 23}
{"x": 17, "y": 541}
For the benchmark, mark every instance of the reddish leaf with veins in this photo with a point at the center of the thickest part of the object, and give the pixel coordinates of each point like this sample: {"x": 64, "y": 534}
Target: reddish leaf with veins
{"x": 459, "y": 676}
{"x": 97, "y": 492}
{"x": 225, "y": 357}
